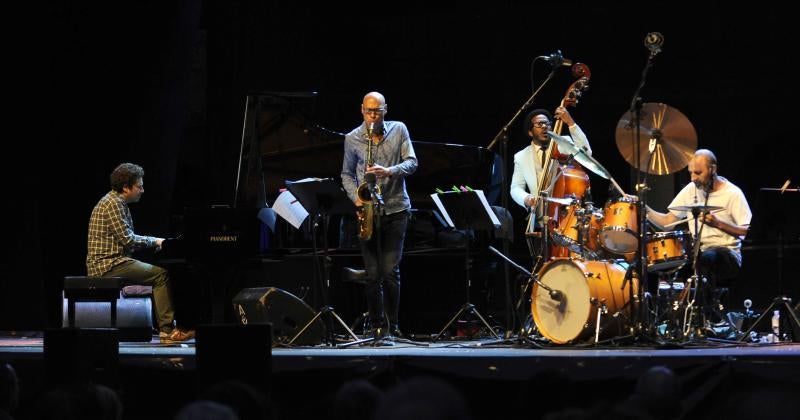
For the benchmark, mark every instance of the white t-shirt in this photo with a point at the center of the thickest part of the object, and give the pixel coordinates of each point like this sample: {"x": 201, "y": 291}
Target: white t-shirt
{"x": 735, "y": 210}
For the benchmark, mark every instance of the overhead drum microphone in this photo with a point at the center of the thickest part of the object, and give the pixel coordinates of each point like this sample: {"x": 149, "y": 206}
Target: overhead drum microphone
{"x": 653, "y": 41}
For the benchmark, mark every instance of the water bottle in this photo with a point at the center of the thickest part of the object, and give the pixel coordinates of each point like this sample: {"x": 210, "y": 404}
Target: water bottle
{"x": 776, "y": 323}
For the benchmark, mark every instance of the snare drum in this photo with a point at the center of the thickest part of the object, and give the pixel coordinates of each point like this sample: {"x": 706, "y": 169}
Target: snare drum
{"x": 584, "y": 285}
{"x": 619, "y": 233}
{"x": 666, "y": 251}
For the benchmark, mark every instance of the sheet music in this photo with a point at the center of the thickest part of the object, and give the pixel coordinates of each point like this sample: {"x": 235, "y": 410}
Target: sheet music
{"x": 287, "y": 206}
{"x": 495, "y": 220}
{"x": 438, "y": 202}
{"x": 481, "y": 197}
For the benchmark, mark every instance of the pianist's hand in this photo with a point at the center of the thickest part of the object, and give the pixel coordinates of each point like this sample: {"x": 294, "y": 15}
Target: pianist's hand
{"x": 159, "y": 241}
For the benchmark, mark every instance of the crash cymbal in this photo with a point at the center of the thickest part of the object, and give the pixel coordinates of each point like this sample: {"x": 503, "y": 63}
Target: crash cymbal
{"x": 567, "y": 147}
{"x": 696, "y": 206}
{"x": 675, "y": 140}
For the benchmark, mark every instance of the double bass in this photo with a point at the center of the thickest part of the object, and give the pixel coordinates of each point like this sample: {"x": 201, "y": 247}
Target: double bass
{"x": 564, "y": 178}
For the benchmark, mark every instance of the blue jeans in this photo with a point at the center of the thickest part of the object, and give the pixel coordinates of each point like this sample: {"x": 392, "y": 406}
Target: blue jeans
{"x": 383, "y": 271}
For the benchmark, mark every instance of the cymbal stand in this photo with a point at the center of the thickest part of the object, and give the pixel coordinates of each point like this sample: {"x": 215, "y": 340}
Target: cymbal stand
{"x": 699, "y": 282}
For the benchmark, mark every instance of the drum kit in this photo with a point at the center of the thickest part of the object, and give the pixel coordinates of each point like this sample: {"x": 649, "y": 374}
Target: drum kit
{"x": 597, "y": 292}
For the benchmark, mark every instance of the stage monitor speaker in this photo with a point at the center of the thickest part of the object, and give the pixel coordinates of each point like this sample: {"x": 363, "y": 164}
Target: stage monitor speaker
{"x": 287, "y": 313}
{"x": 80, "y": 356}
{"x": 134, "y": 317}
{"x": 234, "y": 352}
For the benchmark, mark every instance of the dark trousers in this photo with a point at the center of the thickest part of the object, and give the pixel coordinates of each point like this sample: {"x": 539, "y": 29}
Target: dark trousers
{"x": 137, "y": 272}
{"x": 383, "y": 270}
{"x": 718, "y": 265}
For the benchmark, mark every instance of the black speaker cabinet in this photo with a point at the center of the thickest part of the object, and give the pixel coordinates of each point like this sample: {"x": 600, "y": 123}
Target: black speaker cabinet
{"x": 234, "y": 352}
{"x": 287, "y": 313}
{"x": 79, "y": 356}
{"x": 134, "y": 317}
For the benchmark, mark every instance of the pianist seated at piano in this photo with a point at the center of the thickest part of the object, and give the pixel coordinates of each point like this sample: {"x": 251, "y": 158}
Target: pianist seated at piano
{"x": 111, "y": 242}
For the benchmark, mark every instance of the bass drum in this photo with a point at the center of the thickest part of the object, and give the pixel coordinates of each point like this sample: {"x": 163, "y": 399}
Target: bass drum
{"x": 584, "y": 285}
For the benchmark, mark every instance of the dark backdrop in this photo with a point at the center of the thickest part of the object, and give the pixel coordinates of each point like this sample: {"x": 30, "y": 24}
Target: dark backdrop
{"x": 163, "y": 84}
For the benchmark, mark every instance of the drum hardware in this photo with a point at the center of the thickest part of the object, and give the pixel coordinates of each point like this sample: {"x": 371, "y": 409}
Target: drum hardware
{"x": 601, "y": 309}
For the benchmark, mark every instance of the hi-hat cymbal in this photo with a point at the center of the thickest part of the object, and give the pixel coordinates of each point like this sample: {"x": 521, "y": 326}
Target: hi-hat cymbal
{"x": 697, "y": 206}
{"x": 673, "y": 135}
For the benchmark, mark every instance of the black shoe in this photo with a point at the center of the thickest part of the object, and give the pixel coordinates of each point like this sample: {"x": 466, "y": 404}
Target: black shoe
{"x": 396, "y": 333}
{"x": 378, "y": 333}
{"x": 381, "y": 338}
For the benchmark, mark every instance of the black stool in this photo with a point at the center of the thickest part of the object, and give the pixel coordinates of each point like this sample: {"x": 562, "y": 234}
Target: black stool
{"x": 91, "y": 289}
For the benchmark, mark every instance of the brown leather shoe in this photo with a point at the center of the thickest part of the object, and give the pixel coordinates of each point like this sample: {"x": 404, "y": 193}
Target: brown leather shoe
{"x": 179, "y": 335}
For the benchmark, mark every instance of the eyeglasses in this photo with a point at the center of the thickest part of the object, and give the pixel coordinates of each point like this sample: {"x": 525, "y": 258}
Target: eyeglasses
{"x": 374, "y": 110}
{"x": 542, "y": 124}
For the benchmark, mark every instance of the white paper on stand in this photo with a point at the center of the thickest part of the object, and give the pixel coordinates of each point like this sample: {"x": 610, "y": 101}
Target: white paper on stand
{"x": 290, "y": 209}
{"x": 481, "y": 197}
{"x": 438, "y": 202}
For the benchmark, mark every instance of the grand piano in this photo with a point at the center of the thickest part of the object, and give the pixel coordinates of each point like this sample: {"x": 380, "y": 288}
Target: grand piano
{"x": 282, "y": 141}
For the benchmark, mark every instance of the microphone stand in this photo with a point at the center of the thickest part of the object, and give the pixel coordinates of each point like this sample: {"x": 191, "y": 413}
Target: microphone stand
{"x": 556, "y": 295}
{"x": 501, "y": 138}
{"x": 641, "y": 188}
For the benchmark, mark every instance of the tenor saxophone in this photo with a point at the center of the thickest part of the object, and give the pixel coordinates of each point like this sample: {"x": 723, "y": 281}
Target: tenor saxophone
{"x": 366, "y": 219}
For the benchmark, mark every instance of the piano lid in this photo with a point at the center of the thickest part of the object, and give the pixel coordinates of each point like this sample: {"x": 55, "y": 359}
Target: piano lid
{"x": 293, "y": 146}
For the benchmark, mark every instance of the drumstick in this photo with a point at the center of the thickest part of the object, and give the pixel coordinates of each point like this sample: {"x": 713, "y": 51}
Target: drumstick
{"x": 689, "y": 218}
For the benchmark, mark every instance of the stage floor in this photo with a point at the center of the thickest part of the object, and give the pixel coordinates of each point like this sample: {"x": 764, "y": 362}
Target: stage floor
{"x": 303, "y": 379}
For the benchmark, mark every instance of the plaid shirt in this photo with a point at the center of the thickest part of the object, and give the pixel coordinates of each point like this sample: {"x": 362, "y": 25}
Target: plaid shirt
{"x": 111, "y": 238}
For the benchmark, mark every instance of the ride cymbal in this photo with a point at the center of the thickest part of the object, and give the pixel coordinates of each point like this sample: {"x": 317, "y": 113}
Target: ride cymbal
{"x": 697, "y": 206}
{"x": 673, "y": 138}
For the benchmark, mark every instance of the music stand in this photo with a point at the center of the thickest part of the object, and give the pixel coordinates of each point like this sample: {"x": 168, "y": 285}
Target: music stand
{"x": 322, "y": 197}
{"x": 776, "y": 222}
{"x": 466, "y": 211}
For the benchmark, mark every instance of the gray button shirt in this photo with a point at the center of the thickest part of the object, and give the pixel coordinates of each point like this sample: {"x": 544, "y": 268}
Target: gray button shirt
{"x": 394, "y": 152}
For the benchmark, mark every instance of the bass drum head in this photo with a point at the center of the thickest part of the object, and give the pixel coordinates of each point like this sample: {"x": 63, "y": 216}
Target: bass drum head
{"x": 561, "y": 321}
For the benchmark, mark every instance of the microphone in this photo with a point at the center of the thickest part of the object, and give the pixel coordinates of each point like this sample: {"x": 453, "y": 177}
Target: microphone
{"x": 556, "y": 59}
{"x": 653, "y": 41}
{"x": 370, "y": 178}
{"x": 556, "y": 295}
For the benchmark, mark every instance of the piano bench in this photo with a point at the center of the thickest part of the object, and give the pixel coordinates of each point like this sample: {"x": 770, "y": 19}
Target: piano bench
{"x": 91, "y": 289}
